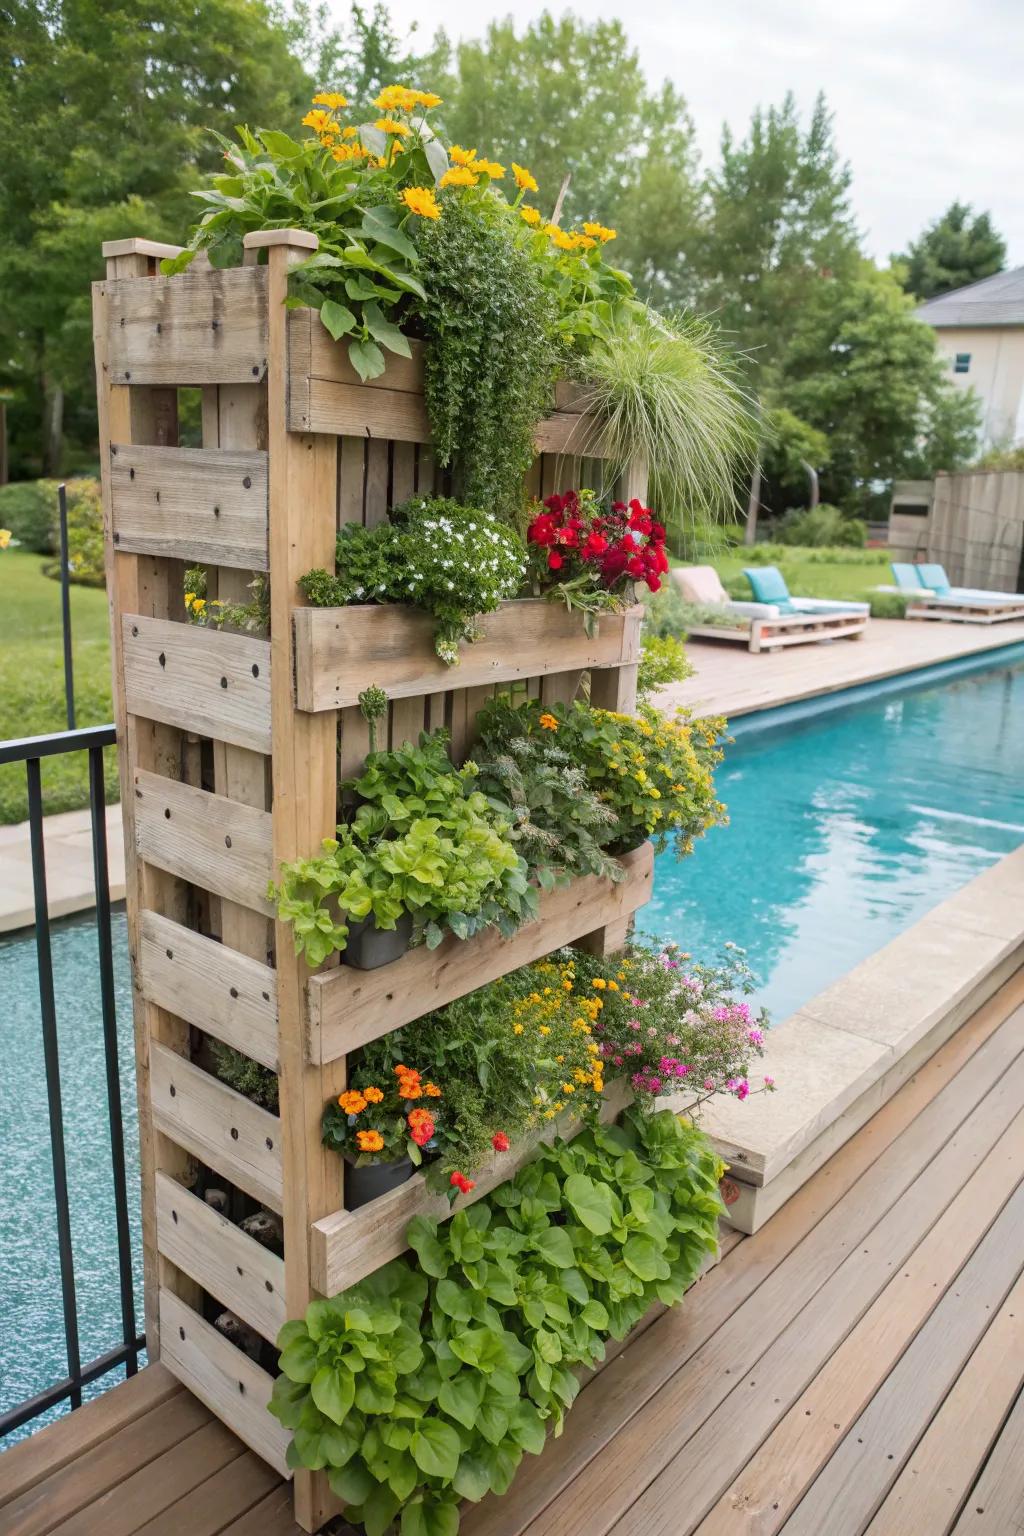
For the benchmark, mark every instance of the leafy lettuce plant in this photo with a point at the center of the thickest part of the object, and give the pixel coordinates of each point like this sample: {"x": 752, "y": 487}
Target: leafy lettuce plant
{"x": 427, "y": 1383}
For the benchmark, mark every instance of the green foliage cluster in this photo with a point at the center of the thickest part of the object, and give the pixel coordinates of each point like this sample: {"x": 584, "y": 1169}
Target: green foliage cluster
{"x": 27, "y": 510}
{"x": 489, "y": 318}
{"x": 246, "y": 1076}
{"x": 662, "y": 660}
{"x": 820, "y": 527}
{"x": 423, "y": 841}
{"x": 453, "y": 561}
{"x": 251, "y": 618}
{"x": 954, "y": 250}
{"x": 558, "y": 819}
{"x": 425, "y": 1384}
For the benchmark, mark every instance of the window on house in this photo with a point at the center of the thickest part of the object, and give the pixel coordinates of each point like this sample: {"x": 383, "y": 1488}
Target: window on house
{"x": 962, "y": 362}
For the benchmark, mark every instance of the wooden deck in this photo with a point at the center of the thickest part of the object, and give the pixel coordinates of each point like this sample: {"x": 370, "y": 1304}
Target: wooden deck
{"x": 854, "y": 1369}
{"x": 728, "y": 680}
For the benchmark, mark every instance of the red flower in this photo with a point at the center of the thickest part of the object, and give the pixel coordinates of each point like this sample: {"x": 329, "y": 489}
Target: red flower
{"x": 500, "y": 1142}
{"x": 461, "y": 1183}
{"x": 421, "y": 1129}
{"x": 554, "y": 561}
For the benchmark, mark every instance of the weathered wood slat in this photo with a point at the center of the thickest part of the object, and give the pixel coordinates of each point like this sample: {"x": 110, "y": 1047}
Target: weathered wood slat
{"x": 193, "y": 504}
{"x": 338, "y": 650}
{"x": 202, "y": 680}
{"x": 200, "y": 328}
{"x": 351, "y": 1244}
{"x": 215, "y": 843}
{"x": 230, "y": 1384}
{"x": 241, "y": 1273}
{"x": 349, "y": 1007}
{"x": 353, "y": 411}
{"x": 214, "y": 987}
{"x": 213, "y": 1122}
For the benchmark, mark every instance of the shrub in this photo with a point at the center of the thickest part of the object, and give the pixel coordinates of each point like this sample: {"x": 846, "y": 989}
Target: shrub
{"x": 28, "y": 508}
{"x": 85, "y": 534}
{"x": 821, "y": 525}
{"x": 425, "y": 1383}
{"x": 888, "y": 605}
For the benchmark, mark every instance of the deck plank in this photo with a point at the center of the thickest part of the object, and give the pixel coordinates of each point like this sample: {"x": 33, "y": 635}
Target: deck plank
{"x": 272, "y": 1516}
{"x": 54, "y": 1500}
{"x": 996, "y": 1503}
{"x": 139, "y": 1496}
{"x": 51, "y": 1448}
{"x": 930, "y": 1489}
{"x": 868, "y": 1401}
{"x": 770, "y": 1274}
{"x": 231, "y": 1492}
{"x": 690, "y": 1416}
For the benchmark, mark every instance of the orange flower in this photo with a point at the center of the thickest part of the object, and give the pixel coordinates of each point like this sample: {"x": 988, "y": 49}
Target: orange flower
{"x": 431, "y": 1090}
{"x": 370, "y": 1141}
{"x": 372, "y": 1095}
{"x": 418, "y": 1116}
{"x": 352, "y": 1102}
{"x": 549, "y": 722}
{"x": 409, "y": 1088}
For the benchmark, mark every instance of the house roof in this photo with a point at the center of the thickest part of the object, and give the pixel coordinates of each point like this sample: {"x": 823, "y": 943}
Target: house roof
{"x": 995, "y": 300}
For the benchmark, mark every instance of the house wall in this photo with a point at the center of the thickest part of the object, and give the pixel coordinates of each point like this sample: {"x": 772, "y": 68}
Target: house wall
{"x": 996, "y": 373}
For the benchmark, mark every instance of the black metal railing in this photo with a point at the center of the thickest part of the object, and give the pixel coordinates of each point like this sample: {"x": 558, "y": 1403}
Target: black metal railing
{"x": 31, "y": 751}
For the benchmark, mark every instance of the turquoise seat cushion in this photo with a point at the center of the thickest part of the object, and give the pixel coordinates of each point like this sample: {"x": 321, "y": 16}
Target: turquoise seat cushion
{"x": 907, "y": 577}
{"x": 935, "y": 579}
{"x": 768, "y": 585}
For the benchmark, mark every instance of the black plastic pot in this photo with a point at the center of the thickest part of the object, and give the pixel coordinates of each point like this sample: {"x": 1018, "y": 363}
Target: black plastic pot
{"x": 373, "y": 1180}
{"x": 369, "y": 946}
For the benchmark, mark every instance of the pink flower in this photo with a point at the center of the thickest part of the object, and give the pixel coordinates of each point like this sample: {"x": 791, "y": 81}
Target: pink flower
{"x": 709, "y": 1085}
{"x": 617, "y": 1060}
{"x": 755, "y": 1036}
{"x": 671, "y": 1039}
{"x": 654, "y": 1084}
{"x": 769, "y": 1082}
{"x": 652, "y": 1032}
{"x": 721, "y": 1015}
{"x": 634, "y": 1024}
{"x": 668, "y": 1063}
{"x": 742, "y": 1090}
{"x": 742, "y": 1011}
{"x": 681, "y": 1069}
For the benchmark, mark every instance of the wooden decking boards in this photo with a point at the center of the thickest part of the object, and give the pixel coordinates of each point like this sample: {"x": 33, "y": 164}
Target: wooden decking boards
{"x": 854, "y": 1369}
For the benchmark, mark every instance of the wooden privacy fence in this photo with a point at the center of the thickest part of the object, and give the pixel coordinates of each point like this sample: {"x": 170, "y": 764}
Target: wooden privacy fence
{"x": 232, "y": 746}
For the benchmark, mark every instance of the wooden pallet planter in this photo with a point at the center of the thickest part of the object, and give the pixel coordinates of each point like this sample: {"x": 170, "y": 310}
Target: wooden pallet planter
{"x": 231, "y": 751}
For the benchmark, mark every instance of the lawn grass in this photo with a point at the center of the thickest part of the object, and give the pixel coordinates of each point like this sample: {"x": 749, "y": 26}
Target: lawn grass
{"x": 830, "y": 573}
{"x": 32, "y": 680}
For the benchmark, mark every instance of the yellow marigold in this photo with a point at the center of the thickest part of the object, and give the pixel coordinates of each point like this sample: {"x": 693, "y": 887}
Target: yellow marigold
{"x": 599, "y": 982}
{"x": 372, "y": 1095}
{"x": 599, "y": 232}
{"x": 524, "y": 178}
{"x": 489, "y": 168}
{"x": 317, "y": 120}
{"x": 421, "y": 200}
{"x": 330, "y": 99}
{"x": 613, "y": 986}
{"x": 462, "y": 156}
{"x": 392, "y": 125}
{"x": 370, "y": 1141}
{"x": 549, "y": 722}
{"x": 458, "y": 176}
{"x": 352, "y": 1102}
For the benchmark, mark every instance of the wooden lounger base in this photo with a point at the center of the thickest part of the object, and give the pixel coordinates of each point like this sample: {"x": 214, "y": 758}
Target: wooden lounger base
{"x": 771, "y": 634}
{"x": 965, "y": 613}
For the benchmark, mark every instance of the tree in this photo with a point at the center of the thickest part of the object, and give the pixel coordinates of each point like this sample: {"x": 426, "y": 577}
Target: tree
{"x": 104, "y": 109}
{"x": 863, "y": 370}
{"x": 567, "y": 97}
{"x": 778, "y": 225}
{"x": 953, "y": 251}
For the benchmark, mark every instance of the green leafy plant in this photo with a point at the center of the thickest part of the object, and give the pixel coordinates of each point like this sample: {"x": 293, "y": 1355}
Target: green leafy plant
{"x": 373, "y": 706}
{"x": 426, "y": 1383}
{"x": 369, "y": 1123}
{"x": 453, "y": 561}
{"x": 253, "y": 617}
{"x": 424, "y": 841}
{"x": 662, "y": 662}
{"x": 490, "y": 363}
{"x": 559, "y": 822}
{"x": 820, "y": 526}
{"x": 246, "y": 1076}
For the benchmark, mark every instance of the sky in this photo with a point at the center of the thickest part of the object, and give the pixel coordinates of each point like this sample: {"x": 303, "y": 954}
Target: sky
{"x": 928, "y": 95}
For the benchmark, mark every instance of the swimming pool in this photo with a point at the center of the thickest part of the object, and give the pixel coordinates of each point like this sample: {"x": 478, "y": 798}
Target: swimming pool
{"x": 848, "y": 826}
{"x": 845, "y": 828}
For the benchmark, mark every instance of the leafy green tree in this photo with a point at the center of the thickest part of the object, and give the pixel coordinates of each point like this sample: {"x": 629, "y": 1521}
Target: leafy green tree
{"x": 953, "y": 251}
{"x": 568, "y": 97}
{"x": 860, "y": 368}
{"x": 104, "y": 109}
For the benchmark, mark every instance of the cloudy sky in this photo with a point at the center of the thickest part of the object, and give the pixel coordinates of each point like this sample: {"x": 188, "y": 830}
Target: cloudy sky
{"x": 928, "y": 95}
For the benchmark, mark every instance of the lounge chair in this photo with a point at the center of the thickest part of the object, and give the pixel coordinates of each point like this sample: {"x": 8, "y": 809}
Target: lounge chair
{"x": 763, "y": 626}
{"x": 934, "y": 598}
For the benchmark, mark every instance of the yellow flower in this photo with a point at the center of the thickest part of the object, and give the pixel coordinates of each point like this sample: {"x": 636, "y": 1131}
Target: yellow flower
{"x": 421, "y": 200}
{"x": 190, "y": 597}
{"x": 343, "y": 152}
{"x": 458, "y": 176}
{"x": 198, "y": 605}
{"x": 517, "y": 1029}
{"x": 396, "y": 98}
{"x": 318, "y": 121}
{"x": 427, "y": 99}
{"x": 599, "y": 983}
{"x": 524, "y": 178}
{"x": 548, "y": 722}
{"x": 462, "y": 156}
{"x": 600, "y": 232}
{"x": 564, "y": 240}
{"x": 329, "y": 99}
{"x": 372, "y": 1095}
{"x": 489, "y": 168}
{"x": 349, "y": 132}
{"x": 392, "y": 125}
{"x": 613, "y": 986}
{"x": 585, "y": 242}
{"x": 559, "y": 1105}
{"x": 544, "y": 1029}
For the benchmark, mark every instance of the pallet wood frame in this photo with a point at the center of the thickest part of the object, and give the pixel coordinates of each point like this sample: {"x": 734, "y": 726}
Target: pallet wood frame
{"x": 231, "y": 749}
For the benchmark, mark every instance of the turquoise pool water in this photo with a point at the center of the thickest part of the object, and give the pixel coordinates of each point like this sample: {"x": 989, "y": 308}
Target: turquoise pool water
{"x": 31, "y": 1328}
{"x": 848, "y": 827}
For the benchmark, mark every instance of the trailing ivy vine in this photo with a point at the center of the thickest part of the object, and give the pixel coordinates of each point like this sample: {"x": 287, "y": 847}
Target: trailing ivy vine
{"x": 490, "y": 364}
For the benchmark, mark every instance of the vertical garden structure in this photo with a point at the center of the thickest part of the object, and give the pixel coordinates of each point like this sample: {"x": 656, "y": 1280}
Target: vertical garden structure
{"x": 231, "y": 750}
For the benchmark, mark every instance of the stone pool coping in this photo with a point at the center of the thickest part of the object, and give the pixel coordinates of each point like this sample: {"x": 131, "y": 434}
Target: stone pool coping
{"x": 847, "y": 1051}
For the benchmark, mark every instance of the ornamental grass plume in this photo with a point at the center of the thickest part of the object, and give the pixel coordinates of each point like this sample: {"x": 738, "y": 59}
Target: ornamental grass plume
{"x": 665, "y": 394}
